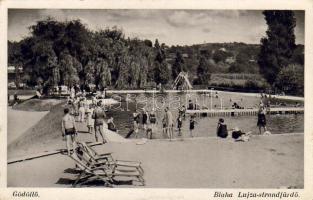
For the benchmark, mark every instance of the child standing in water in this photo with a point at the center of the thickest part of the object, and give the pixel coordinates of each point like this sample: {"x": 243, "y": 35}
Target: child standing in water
{"x": 136, "y": 118}
{"x": 144, "y": 118}
{"x": 179, "y": 124}
{"x": 261, "y": 119}
{"x": 192, "y": 124}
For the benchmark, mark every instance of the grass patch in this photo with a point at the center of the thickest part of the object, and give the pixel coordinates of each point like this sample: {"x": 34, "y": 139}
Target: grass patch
{"x": 48, "y": 129}
{"x": 287, "y": 102}
{"x": 21, "y": 92}
{"x": 37, "y": 105}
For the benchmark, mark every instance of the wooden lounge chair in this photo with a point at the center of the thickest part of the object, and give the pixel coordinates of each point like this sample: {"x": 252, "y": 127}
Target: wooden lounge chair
{"x": 90, "y": 172}
{"x": 109, "y": 160}
{"x": 83, "y": 155}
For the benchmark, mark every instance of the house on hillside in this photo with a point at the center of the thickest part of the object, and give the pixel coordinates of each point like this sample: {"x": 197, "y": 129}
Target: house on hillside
{"x": 13, "y": 75}
{"x": 230, "y": 60}
{"x": 185, "y": 55}
{"x": 170, "y": 57}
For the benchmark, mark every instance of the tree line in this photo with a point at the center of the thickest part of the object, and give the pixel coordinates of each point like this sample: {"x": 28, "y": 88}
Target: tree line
{"x": 68, "y": 53}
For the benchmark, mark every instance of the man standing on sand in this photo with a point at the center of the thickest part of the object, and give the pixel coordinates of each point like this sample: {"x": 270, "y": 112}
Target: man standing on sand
{"x": 69, "y": 130}
{"x": 169, "y": 123}
{"x": 99, "y": 116}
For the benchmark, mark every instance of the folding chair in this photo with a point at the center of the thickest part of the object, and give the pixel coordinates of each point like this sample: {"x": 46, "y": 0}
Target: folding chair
{"x": 89, "y": 174}
{"x": 109, "y": 160}
{"x": 101, "y": 171}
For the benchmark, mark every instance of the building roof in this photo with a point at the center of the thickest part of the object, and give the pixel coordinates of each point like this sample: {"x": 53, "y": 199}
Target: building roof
{"x": 11, "y": 69}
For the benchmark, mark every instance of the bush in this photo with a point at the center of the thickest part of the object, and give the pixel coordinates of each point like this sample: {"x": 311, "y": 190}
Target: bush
{"x": 290, "y": 79}
{"x": 252, "y": 84}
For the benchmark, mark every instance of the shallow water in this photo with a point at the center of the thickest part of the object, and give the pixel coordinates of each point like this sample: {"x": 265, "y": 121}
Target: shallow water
{"x": 205, "y": 126}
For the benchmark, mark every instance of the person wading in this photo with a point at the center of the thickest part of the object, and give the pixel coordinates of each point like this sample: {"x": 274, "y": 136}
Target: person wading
{"x": 261, "y": 119}
{"x": 136, "y": 118}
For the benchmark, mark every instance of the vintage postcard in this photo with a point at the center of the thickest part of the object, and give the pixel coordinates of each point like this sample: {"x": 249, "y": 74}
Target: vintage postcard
{"x": 156, "y": 100}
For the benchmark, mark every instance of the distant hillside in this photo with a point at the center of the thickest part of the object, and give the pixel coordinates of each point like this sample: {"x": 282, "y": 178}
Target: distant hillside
{"x": 225, "y": 57}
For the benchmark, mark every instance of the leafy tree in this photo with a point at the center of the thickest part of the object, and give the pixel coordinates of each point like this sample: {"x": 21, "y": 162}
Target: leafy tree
{"x": 90, "y": 72}
{"x": 15, "y": 58}
{"x": 242, "y": 58}
{"x": 102, "y": 74}
{"x": 220, "y": 55}
{"x": 278, "y": 47}
{"x": 68, "y": 70}
{"x": 298, "y": 55}
{"x": 204, "y": 70}
{"x": 241, "y": 65}
{"x": 148, "y": 43}
{"x": 179, "y": 65}
{"x": 161, "y": 73}
{"x": 156, "y": 44}
{"x": 161, "y": 70}
{"x": 290, "y": 79}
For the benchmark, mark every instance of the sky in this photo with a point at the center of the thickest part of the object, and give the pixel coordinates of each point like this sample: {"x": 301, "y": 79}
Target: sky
{"x": 172, "y": 27}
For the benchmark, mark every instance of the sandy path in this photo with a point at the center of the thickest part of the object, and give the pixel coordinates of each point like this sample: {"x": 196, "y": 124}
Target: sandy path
{"x": 264, "y": 162}
{"x": 20, "y": 121}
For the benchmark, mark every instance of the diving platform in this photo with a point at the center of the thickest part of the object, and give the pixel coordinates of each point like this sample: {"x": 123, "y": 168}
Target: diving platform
{"x": 247, "y": 111}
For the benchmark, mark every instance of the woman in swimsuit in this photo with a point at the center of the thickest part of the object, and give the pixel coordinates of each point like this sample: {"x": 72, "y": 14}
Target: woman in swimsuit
{"x": 136, "y": 123}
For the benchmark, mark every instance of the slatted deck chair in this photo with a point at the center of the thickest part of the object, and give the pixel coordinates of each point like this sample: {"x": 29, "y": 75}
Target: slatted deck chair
{"x": 110, "y": 161}
{"x": 108, "y": 155}
{"x": 112, "y": 172}
{"x": 84, "y": 155}
{"x": 89, "y": 174}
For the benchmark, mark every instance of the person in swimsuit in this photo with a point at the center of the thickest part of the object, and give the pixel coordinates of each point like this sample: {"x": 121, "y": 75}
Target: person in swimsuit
{"x": 182, "y": 111}
{"x": 179, "y": 124}
{"x": 152, "y": 117}
{"x": 69, "y": 130}
{"x": 144, "y": 118}
{"x": 169, "y": 123}
{"x": 151, "y": 123}
{"x": 261, "y": 119}
{"x": 238, "y": 135}
{"x": 136, "y": 123}
{"x": 111, "y": 125}
{"x": 221, "y": 130}
{"x": 192, "y": 124}
{"x": 190, "y": 105}
{"x": 99, "y": 116}
{"x": 164, "y": 123}
{"x": 135, "y": 128}
{"x": 90, "y": 121}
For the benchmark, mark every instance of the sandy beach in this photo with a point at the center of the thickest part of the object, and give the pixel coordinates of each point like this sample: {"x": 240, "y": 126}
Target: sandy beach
{"x": 17, "y": 124}
{"x": 264, "y": 162}
{"x": 202, "y": 162}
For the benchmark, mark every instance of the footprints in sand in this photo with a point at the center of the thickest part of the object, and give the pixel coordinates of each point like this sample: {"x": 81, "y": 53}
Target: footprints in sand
{"x": 277, "y": 153}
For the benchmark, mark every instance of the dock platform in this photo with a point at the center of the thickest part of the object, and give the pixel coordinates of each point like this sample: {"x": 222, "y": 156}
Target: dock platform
{"x": 251, "y": 111}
